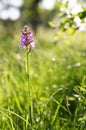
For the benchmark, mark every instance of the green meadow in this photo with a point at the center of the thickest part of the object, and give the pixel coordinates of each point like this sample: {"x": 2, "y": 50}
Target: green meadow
{"x": 56, "y": 80}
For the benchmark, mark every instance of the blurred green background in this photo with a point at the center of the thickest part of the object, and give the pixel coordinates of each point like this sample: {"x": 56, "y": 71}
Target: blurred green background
{"x": 57, "y": 65}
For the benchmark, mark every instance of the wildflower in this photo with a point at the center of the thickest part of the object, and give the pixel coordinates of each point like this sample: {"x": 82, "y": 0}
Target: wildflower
{"x": 27, "y": 38}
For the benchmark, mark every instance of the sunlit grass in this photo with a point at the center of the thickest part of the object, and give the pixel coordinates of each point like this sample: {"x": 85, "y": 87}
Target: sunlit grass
{"x": 57, "y": 79}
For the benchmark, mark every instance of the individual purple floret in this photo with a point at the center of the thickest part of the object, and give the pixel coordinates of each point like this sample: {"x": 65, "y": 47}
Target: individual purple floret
{"x": 27, "y": 38}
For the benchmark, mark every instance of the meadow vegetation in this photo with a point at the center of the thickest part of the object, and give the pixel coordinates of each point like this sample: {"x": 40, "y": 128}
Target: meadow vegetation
{"x": 57, "y": 78}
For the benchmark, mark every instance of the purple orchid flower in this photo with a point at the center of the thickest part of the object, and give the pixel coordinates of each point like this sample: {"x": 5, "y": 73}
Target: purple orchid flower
{"x": 27, "y": 39}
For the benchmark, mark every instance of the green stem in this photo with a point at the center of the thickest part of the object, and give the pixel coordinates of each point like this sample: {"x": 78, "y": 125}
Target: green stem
{"x": 30, "y": 103}
{"x": 27, "y": 71}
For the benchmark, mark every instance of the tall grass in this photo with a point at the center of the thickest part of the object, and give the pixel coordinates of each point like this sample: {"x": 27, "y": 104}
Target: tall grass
{"x": 57, "y": 80}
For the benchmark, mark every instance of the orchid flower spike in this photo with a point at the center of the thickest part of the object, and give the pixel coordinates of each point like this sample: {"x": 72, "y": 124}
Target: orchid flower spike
{"x": 27, "y": 39}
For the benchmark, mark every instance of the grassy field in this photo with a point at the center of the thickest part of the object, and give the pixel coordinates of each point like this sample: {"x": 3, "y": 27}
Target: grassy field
{"x": 57, "y": 83}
